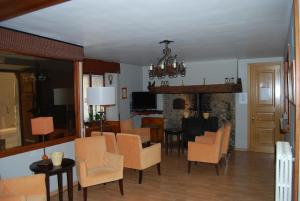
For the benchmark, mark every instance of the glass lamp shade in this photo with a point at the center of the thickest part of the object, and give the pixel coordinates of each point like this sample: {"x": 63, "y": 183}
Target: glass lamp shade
{"x": 101, "y": 96}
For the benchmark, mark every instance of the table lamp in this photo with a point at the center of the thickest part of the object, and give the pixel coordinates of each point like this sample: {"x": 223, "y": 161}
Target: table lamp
{"x": 42, "y": 126}
{"x": 102, "y": 96}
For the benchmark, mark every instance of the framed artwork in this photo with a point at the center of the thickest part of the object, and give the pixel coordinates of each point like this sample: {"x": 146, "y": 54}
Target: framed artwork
{"x": 291, "y": 82}
{"x": 124, "y": 93}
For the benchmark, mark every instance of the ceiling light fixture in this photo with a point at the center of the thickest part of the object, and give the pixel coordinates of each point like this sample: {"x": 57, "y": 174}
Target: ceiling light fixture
{"x": 167, "y": 65}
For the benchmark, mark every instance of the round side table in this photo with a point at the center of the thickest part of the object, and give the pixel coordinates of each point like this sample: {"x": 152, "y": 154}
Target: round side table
{"x": 66, "y": 166}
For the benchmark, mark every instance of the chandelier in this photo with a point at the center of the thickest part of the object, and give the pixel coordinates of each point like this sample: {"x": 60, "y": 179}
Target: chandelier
{"x": 167, "y": 65}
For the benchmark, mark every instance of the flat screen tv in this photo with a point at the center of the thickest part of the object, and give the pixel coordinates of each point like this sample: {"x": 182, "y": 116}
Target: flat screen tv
{"x": 143, "y": 101}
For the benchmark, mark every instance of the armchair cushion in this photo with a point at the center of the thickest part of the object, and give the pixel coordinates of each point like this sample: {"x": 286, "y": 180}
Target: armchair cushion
{"x": 32, "y": 188}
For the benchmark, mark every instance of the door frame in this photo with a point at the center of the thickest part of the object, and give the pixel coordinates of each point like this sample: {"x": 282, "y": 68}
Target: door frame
{"x": 249, "y": 144}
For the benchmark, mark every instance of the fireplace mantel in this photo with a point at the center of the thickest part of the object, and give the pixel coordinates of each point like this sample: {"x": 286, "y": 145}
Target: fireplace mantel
{"x": 212, "y": 88}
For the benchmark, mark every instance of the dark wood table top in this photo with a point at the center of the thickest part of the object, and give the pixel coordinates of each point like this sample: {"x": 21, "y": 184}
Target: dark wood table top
{"x": 66, "y": 164}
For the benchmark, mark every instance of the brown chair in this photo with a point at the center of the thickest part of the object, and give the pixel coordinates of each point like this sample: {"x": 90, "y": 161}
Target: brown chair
{"x": 110, "y": 139}
{"x": 27, "y": 188}
{"x": 209, "y": 137}
{"x": 95, "y": 165}
{"x": 127, "y": 126}
{"x": 206, "y": 152}
{"x": 135, "y": 157}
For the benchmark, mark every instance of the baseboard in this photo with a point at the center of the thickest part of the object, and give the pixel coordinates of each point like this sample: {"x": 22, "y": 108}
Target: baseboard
{"x": 52, "y": 193}
{"x": 240, "y": 149}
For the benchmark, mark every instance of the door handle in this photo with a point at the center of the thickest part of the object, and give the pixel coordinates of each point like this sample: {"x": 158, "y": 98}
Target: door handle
{"x": 252, "y": 118}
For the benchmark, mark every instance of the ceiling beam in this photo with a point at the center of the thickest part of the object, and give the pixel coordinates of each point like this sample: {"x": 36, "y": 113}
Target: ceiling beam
{"x": 13, "y": 8}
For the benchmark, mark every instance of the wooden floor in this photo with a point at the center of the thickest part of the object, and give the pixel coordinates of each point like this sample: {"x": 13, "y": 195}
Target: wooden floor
{"x": 250, "y": 177}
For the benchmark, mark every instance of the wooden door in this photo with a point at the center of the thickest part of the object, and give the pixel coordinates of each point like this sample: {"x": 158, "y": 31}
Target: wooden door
{"x": 264, "y": 106}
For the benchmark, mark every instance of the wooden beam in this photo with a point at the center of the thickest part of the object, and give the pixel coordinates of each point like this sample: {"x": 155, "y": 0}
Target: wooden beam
{"x": 212, "y": 88}
{"x": 100, "y": 67}
{"x": 297, "y": 94}
{"x": 13, "y": 8}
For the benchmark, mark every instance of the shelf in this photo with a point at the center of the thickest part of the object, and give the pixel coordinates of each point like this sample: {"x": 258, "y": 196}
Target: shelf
{"x": 213, "y": 88}
{"x": 147, "y": 112}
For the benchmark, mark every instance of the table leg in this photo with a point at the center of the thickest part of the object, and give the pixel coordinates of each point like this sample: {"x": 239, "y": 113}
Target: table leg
{"x": 178, "y": 143}
{"x": 182, "y": 144}
{"x": 60, "y": 186}
{"x": 47, "y": 187}
{"x": 70, "y": 184}
{"x": 166, "y": 143}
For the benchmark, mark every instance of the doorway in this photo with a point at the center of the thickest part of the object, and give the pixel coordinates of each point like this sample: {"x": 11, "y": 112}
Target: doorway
{"x": 264, "y": 106}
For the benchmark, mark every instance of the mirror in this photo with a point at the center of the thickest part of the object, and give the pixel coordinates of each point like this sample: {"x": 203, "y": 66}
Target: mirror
{"x": 32, "y": 87}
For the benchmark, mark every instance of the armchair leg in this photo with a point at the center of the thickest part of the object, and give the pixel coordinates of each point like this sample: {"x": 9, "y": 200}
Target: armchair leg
{"x": 158, "y": 168}
{"x": 217, "y": 168}
{"x": 84, "y": 193}
{"x": 79, "y": 187}
{"x": 121, "y": 186}
{"x": 140, "y": 176}
{"x": 189, "y": 166}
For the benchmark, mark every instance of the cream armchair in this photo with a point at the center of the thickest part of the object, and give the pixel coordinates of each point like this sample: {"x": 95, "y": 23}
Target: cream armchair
{"x": 135, "y": 157}
{"x": 95, "y": 165}
{"x": 206, "y": 152}
{"x": 126, "y": 126}
{"x": 110, "y": 139}
{"x": 27, "y": 188}
{"x": 209, "y": 137}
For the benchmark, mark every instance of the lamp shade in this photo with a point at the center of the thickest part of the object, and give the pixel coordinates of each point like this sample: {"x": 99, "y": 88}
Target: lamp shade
{"x": 101, "y": 96}
{"x": 42, "y": 125}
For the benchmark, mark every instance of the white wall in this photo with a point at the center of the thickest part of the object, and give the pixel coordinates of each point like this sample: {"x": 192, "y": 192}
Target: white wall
{"x": 112, "y": 112}
{"x": 130, "y": 77}
{"x": 18, "y": 165}
{"x": 215, "y": 72}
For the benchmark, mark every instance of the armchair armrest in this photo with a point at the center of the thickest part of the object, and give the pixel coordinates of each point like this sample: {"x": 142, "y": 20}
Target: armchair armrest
{"x": 205, "y": 139}
{"x": 27, "y": 185}
{"x": 151, "y": 155}
{"x": 81, "y": 170}
{"x": 210, "y": 134}
{"x": 115, "y": 161}
{"x": 209, "y": 153}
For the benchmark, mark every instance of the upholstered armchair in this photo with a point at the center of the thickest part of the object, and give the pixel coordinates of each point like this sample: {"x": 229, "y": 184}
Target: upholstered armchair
{"x": 95, "y": 165}
{"x": 127, "y": 126}
{"x": 110, "y": 139}
{"x": 135, "y": 157}
{"x": 27, "y": 188}
{"x": 209, "y": 137}
{"x": 206, "y": 152}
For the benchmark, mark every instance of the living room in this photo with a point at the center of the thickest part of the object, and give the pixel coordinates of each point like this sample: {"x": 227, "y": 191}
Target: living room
{"x": 202, "y": 68}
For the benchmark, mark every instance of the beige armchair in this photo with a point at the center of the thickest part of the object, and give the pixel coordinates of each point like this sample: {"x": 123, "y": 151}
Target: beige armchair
{"x": 206, "y": 152}
{"x": 95, "y": 165}
{"x": 135, "y": 157}
{"x": 126, "y": 126}
{"x": 27, "y": 188}
{"x": 110, "y": 139}
{"x": 209, "y": 137}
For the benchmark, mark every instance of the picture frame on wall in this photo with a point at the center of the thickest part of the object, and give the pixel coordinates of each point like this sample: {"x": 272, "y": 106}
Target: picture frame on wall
{"x": 124, "y": 92}
{"x": 291, "y": 82}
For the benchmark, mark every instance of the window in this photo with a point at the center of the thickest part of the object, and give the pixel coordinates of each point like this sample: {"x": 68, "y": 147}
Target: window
{"x": 90, "y": 80}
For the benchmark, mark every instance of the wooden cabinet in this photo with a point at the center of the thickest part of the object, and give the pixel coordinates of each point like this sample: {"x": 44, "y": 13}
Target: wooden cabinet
{"x": 156, "y": 125}
{"x": 108, "y": 126}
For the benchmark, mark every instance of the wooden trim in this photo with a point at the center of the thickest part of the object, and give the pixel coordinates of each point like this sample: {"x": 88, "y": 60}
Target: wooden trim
{"x": 77, "y": 97}
{"x": 22, "y": 149}
{"x": 28, "y": 44}
{"x": 297, "y": 102}
{"x": 213, "y": 88}
{"x": 13, "y": 8}
{"x": 94, "y": 66}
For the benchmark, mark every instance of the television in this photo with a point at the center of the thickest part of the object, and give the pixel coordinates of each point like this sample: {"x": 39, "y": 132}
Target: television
{"x": 143, "y": 101}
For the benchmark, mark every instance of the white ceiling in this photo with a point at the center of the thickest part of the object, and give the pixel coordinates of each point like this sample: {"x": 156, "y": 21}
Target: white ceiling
{"x": 129, "y": 31}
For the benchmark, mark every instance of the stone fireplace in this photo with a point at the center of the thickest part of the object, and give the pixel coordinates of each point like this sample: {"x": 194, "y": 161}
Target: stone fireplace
{"x": 220, "y": 105}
